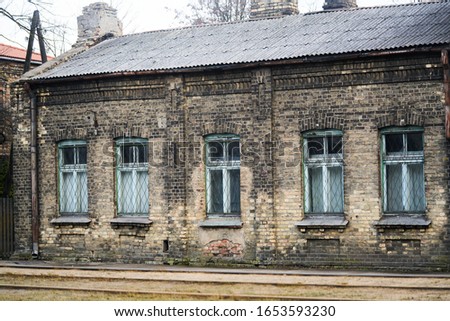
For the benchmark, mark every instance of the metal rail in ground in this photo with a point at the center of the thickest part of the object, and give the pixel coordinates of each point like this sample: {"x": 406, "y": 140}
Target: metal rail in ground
{"x": 203, "y": 296}
{"x": 190, "y": 269}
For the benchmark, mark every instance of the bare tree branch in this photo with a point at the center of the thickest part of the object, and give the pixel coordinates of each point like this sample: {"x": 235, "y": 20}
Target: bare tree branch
{"x": 10, "y": 40}
{"x": 15, "y": 18}
{"x": 213, "y": 11}
{"x": 54, "y": 33}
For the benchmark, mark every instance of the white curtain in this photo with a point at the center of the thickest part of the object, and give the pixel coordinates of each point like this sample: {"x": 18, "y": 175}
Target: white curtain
{"x": 133, "y": 192}
{"x": 335, "y": 194}
{"x": 74, "y": 194}
{"x": 415, "y": 193}
{"x": 394, "y": 188}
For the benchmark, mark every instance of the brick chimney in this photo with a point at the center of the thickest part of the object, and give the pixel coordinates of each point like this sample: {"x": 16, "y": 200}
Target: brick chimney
{"x": 98, "y": 20}
{"x": 339, "y": 4}
{"x": 263, "y": 9}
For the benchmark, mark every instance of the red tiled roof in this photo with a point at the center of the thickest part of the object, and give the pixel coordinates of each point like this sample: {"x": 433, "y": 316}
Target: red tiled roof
{"x": 11, "y": 52}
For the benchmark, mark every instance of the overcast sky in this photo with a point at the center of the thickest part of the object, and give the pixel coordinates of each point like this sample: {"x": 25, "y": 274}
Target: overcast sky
{"x": 137, "y": 15}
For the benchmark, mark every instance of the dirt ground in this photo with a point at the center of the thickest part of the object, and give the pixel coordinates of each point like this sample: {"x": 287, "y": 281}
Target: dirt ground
{"x": 107, "y": 284}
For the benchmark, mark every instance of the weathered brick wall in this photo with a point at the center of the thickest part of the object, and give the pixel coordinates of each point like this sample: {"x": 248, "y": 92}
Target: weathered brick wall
{"x": 21, "y": 173}
{"x": 268, "y": 108}
{"x": 9, "y": 71}
{"x": 129, "y": 108}
{"x": 359, "y": 101}
{"x": 231, "y": 103}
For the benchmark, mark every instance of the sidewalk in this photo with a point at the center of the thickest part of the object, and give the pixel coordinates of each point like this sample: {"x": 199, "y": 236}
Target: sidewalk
{"x": 100, "y": 266}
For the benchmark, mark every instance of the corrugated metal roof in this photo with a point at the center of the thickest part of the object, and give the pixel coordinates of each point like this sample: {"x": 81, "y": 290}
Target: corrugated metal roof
{"x": 313, "y": 34}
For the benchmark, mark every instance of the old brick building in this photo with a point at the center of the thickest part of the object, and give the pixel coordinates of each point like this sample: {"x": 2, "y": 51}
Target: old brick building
{"x": 303, "y": 140}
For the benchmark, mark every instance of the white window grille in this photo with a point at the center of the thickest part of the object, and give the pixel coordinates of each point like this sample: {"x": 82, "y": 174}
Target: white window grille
{"x": 323, "y": 172}
{"x": 132, "y": 176}
{"x": 223, "y": 174}
{"x": 402, "y": 170}
{"x": 73, "y": 190}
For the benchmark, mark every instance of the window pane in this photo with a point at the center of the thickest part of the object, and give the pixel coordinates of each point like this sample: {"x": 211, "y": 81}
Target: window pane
{"x": 215, "y": 198}
{"x": 133, "y": 197}
{"x": 126, "y": 154}
{"x": 134, "y": 154}
{"x": 415, "y": 142}
{"x": 315, "y": 146}
{"x": 404, "y": 176}
{"x": 394, "y": 188}
{"x": 82, "y": 155}
{"x": 215, "y": 152}
{"x": 334, "y": 144}
{"x": 335, "y": 190}
{"x": 223, "y": 175}
{"x": 82, "y": 195}
{"x": 394, "y": 143}
{"x": 415, "y": 193}
{"x": 68, "y": 193}
{"x": 315, "y": 187}
{"x": 141, "y": 154}
{"x": 126, "y": 192}
{"x": 68, "y": 156}
{"x": 234, "y": 152}
{"x": 132, "y": 177}
{"x": 235, "y": 191}
{"x": 141, "y": 199}
{"x": 73, "y": 191}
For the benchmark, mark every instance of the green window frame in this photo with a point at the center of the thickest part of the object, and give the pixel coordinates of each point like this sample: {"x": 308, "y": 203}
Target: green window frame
{"x": 223, "y": 163}
{"x": 323, "y": 172}
{"x": 132, "y": 186}
{"x": 72, "y": 173}
{"x": 402, "y": 170}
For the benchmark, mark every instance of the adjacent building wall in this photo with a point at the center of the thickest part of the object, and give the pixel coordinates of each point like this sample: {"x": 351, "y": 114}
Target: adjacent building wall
{"x": 269, "y": 108}
{"x": 10, "y": 71}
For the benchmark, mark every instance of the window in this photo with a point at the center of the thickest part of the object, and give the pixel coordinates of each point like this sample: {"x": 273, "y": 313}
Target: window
{"x": 73, "y": 191}
{"x": 132, "y": 176}
{"x": 402, "y": 170}
{"x": 223, "y": 159}
{"x": 323, "y": 172}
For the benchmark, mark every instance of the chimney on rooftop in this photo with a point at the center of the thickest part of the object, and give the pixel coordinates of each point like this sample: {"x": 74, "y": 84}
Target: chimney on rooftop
{"x": 339, "y": 4}
{"x": 262, "y": 9}
{"x": 98, "y": 20}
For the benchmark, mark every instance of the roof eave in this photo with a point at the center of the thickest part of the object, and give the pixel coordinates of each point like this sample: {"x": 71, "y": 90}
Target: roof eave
{"x": 35, "y": 62}
{"x": 248, "y": 65}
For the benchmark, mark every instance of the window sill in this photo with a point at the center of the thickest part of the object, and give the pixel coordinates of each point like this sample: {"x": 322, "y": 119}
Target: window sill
{"x": 322, "y": 222}
{"x": 130, "y": 221}
{"x": 71, "y": 220}
{"x": 222, "y": 222}
{"x": 403, "y": 222}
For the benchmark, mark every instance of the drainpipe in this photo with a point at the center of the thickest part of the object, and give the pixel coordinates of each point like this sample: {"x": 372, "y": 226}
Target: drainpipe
{"x": 445, "y": 63}
{"x": 34, "y": 173}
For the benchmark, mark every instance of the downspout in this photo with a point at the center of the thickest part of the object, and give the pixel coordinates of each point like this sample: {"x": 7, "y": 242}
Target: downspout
{"x": 446, "y": 67}
{"x": 445, "y": 60}
{"x": 34, "y": 173}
